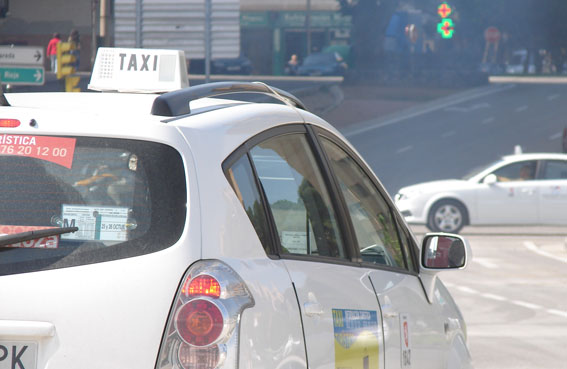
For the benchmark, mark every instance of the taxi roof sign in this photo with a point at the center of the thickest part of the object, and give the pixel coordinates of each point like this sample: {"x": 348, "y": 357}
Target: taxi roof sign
{"x": 139, "y": 70}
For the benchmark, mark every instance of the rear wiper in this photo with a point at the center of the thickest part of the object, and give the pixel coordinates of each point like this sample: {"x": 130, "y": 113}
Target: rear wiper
{"x": 34, "y": 235}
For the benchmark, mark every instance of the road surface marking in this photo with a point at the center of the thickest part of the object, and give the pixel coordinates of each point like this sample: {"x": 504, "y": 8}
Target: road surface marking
{"x": 526, "y": 305}
{"x": 521, "y": 108}
{"x": 469, "y": 109}
{"x": 399, "y": 117}
{"x": 487, "y": 263}
{"x": 488, "y": 120}
{"x": 556, "y": 136}
{"x": 448, "y": 134}
{"x": 404, "y": 149}
{"x": 493, "y": 297}
{"x": 557, "y": 312}
{"x": 553, "y": 97}
{"x": 533, "y": 247}
{"x": 467, "y": 290}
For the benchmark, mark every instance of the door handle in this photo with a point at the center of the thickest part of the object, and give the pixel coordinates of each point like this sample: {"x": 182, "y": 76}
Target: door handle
{"x": 313, "y": 309}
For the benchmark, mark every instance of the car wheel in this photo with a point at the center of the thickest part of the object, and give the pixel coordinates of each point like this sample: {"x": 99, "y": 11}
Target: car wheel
{"x": 447, "y": 216}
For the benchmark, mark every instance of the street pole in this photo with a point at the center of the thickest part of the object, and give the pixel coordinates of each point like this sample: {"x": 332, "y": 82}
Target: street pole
{"x": 308, "y": 26}
{"x": 93, "y": 31}
{"x": 139, "y": 23}
{"x": 208, "y": 45}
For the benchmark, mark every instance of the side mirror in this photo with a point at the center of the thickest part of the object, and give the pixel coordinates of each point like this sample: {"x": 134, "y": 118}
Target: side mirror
{"x": 444, "y": 251}
{"x": 490, "y": 179}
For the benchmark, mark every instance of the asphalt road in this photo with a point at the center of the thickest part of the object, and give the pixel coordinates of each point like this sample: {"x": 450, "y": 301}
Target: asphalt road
{"x": 513, "y": 295}
{"x": 514, "y": 299}
{"x": 449, "y": 137}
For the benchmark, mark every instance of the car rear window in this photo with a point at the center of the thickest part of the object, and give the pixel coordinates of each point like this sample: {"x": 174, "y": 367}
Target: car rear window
{"x": 127, "y": 198}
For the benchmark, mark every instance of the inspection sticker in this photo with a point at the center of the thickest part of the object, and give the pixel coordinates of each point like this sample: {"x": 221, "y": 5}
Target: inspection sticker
{"x": 356, "y": 339}
{"x": 95, "y": 222}
{"x": 58, "y": 150}
{"x": 405, "y": 340}
{"x": 50, "y": 242}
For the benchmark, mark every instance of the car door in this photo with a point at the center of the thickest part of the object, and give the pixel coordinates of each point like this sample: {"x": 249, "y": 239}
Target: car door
{"x": 513, "y": 199}
{"x": 552, "y": 188}
{"x": 339, "y": 310}
{"x": 414, "y": 328}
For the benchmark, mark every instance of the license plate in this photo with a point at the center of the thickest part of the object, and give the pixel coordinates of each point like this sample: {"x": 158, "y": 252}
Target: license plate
{"x": 233, "y": 68}
{"x": 18, "y": 355}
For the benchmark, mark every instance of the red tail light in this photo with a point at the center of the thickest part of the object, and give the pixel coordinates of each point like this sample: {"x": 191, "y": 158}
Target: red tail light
{"x": 199, "y": 322}
{"x": 9, "y": 123}
{"x": 203, "y": 285}
{"x": 202, "y": 331}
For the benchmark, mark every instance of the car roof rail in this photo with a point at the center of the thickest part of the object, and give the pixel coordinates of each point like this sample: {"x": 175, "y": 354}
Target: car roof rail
{"x": 176, "y": 103}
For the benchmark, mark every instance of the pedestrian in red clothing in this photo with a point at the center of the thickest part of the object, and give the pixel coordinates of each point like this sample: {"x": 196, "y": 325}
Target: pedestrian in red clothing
{"x": 52, "y": 50}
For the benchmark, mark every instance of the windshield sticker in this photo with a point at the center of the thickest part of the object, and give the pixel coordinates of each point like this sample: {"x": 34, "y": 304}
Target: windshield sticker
{"x": 406, "y": 340}
{"x": 50, "y": 242}
{"x": 356, "y": 339}
{"x": 294, "y": 242}
{"x": 95, "y": 222}
{"x": 58, "y": 150}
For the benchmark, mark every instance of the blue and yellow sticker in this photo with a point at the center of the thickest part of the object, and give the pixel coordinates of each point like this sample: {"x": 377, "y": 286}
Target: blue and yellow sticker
{"x": 356, "y": 339}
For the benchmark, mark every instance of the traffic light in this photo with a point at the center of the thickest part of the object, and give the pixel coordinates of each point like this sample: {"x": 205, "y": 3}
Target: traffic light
{"x": 65, "y": 59}
{"x": 71, "y": 83}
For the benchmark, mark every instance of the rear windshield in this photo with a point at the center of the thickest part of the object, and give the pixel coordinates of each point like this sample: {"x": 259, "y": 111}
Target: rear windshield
{"x": 126, "y": 198}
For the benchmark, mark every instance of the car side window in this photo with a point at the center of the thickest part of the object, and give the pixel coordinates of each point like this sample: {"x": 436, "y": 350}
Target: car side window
{"x": 297, "y": 197}
{"x": 371, "y": 216}
{"x": 555, "y": 169}
{"x": 241, "y": 178}
{"x": 521, "y": 171}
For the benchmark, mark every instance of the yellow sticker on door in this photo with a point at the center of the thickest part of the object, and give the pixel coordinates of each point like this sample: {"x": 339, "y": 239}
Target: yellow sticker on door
{"x": 356, "y": 339}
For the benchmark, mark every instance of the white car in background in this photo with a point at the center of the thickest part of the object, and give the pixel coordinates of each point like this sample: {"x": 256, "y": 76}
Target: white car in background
{"x": 520, "y": 189}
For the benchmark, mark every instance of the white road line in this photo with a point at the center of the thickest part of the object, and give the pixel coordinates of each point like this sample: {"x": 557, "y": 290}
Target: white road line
{"x": 526, "y": 305}
{"x": 556, "y": 136}
{"x": 521, "y": 108}
{"x": 485, "y": 263}
{"x": 494, "y": 297}
{"x": 427, "y": 109}
{"x": 448, "y": 134}
{"x": 404, "y": 149}
{"x": 553, "y": 97}
{"x": 488, "y": 120}
{"x": 533, "y": 247}
{"x": 557, "y": 312}
{"x": 467, "y": 290}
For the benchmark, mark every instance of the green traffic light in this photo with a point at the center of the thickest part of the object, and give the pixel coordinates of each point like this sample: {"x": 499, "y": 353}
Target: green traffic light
{"x": 446, "y": 28}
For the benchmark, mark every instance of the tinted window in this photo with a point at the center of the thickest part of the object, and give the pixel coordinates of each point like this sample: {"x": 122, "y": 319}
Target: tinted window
{"x": 241, "y": 178}
{"x": 555, "y": 169}
{"x": 111, "y": 189}
{"x": 371, "y": 216}
{"x": 521, "y": 171}
{"x": 297, "y": 196}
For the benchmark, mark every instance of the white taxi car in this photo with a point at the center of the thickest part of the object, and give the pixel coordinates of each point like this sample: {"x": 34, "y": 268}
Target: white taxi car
{"x": 521, "y": 189}
{"x": 176, "y": 230}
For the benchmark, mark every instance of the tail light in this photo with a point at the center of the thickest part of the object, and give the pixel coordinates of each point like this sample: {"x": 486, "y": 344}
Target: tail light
{"x": 203, "y": 328}
{"x": 9, "y": 123}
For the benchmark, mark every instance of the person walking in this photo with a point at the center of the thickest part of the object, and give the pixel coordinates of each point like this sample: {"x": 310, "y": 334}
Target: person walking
{"x": 52, "y": 50}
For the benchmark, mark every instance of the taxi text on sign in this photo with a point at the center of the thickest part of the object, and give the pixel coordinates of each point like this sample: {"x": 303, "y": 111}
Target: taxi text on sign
{"x": 139, "y": 70}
